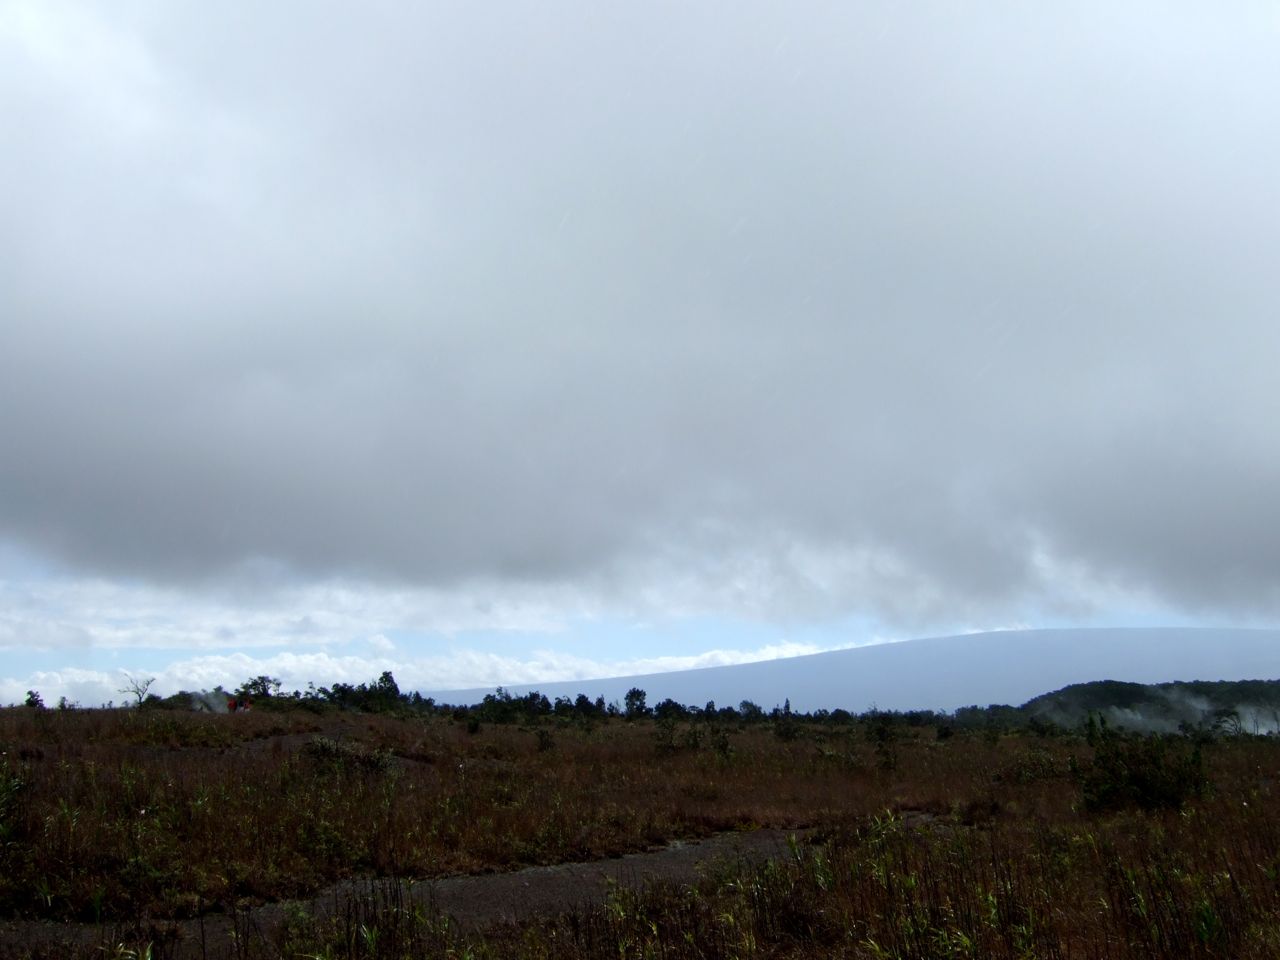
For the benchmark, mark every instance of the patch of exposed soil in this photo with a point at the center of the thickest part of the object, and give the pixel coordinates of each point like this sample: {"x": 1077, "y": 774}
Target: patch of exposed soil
{"x": 473, "y": 902}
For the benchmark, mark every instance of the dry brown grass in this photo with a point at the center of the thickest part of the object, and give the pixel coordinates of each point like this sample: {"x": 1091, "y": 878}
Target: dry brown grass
{"x": 120, "y": 814}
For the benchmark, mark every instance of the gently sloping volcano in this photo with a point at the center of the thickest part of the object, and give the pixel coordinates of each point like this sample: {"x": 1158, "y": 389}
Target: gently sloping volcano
{"x": 943, "y": 673}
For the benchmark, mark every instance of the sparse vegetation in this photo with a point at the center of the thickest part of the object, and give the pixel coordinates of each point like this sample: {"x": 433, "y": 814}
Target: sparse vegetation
{"x": 962, "y": 835}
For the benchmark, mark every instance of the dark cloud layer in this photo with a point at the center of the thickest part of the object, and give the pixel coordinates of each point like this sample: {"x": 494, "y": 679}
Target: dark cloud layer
{"x": 926, "y": 311}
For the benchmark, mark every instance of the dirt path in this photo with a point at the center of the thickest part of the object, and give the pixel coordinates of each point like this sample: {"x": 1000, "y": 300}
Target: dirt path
{"x": 476, "y": 902}
{"x": 473, "y": 902}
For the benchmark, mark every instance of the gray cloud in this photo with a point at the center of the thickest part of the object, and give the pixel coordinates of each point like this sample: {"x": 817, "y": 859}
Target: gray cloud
{"x": 845, "y": 308}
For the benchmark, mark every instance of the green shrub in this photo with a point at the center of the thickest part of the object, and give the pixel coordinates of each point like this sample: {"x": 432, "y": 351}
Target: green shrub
{"x": 1147, "y": 773}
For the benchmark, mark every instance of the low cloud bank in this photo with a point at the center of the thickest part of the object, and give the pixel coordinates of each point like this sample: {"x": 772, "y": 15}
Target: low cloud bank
{"x": 457, "y": 670}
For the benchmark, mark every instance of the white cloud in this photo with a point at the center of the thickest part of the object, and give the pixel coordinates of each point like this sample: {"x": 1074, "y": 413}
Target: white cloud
{"x": 308, "y": 347}
{"x": 380, "y": 644}
{"x": 458, "y": 669}
{"x": 64, "y": 612}
{"x": 107, "y": 73}
{"x": 86, "y": 687}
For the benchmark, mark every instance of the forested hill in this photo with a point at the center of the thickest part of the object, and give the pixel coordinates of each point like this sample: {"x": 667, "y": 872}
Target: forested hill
{"x": 1248, "y": 706}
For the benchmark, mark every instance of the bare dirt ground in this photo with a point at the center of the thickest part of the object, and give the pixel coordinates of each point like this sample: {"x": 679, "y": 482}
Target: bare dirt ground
{"x": 472, "y": 902}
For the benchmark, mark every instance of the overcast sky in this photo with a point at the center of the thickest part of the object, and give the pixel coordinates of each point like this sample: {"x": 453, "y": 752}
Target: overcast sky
{"x": 521, "y": 341}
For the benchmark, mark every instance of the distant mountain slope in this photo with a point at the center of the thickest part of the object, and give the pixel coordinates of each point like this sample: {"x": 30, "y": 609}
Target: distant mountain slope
{"x": 943, "y": 673}
{"x": 1252, "y": 706}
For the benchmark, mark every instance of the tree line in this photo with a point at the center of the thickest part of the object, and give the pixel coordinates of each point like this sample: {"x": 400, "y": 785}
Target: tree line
{"x": 1066, "y": 709}
{"x": 383, "y": 695}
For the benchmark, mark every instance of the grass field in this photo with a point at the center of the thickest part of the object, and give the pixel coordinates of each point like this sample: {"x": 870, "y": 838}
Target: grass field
{"x": 915, "y": 844}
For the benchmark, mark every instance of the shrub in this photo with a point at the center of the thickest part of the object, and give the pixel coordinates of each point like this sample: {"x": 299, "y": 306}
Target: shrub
{"x": 664, "y": 735}
{"x": 1032, "y": 766}
{"x": 327, "y": 748}
{"x": 1149, "y": 773}
{"x": 12, "y": 782}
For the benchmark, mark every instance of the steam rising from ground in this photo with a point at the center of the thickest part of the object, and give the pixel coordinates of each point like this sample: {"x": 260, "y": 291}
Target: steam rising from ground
{"x": 1166, "y": 708}
{"x": 206, "y": 702}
